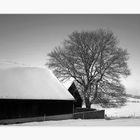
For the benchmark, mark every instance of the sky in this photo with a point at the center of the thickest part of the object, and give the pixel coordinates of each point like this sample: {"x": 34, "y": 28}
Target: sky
{"x": 27, "y": 39}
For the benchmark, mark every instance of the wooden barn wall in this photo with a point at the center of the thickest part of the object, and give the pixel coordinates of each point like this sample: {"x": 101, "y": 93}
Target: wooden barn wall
{"x": 18, "y": 108}
{"x": 74, "y": 92}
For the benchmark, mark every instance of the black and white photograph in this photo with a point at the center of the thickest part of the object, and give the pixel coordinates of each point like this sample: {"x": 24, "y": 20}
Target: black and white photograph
{"x": 69, "y": 69}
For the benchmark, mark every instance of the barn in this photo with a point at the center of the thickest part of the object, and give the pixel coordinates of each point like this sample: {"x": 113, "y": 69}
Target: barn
{"x": 27, "y": 92}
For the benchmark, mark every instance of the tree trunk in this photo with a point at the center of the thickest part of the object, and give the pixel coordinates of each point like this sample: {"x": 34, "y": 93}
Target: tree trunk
{"x": 87, "y": 103}
{"x": 86, "y": 97}
{"x": 96, "y": 92}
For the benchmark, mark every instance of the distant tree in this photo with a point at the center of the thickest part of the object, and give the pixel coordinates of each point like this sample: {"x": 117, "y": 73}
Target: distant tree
{"x": 94, "y": 60}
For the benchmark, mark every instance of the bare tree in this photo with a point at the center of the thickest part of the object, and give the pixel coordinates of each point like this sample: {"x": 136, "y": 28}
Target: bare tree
{"x": 94, "y": 60}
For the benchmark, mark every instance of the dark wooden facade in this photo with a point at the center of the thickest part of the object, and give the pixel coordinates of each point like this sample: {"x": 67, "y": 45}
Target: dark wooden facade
{"x": 74, "y": 92}
{"x": 21, "y": 108}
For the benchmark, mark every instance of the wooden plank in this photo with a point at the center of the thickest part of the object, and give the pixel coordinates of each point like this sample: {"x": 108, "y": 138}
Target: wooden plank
{"x": 36, "y": 119}
{"x": 90, "y": 115}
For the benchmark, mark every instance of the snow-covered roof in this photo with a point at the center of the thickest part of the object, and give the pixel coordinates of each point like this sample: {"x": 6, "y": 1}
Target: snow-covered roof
{"x": 21, "y": 82}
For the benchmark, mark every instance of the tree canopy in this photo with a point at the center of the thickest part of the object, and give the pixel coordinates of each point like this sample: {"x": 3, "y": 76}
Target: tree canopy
{"x": 96, "y": 62}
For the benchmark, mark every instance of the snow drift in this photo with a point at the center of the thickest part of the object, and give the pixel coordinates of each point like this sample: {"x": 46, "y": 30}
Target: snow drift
{"x": 20, "y": 82}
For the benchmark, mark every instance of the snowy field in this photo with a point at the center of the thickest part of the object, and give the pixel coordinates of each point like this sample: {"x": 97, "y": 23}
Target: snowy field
{"x": 92, "y": 122}
{"x": 131, "y": 109}
{"x": 128, "y": 115}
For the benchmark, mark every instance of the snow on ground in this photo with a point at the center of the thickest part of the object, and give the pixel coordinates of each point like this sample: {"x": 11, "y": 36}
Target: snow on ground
{"x": 91, "y": 122}
{"x": 131, "y": 111}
